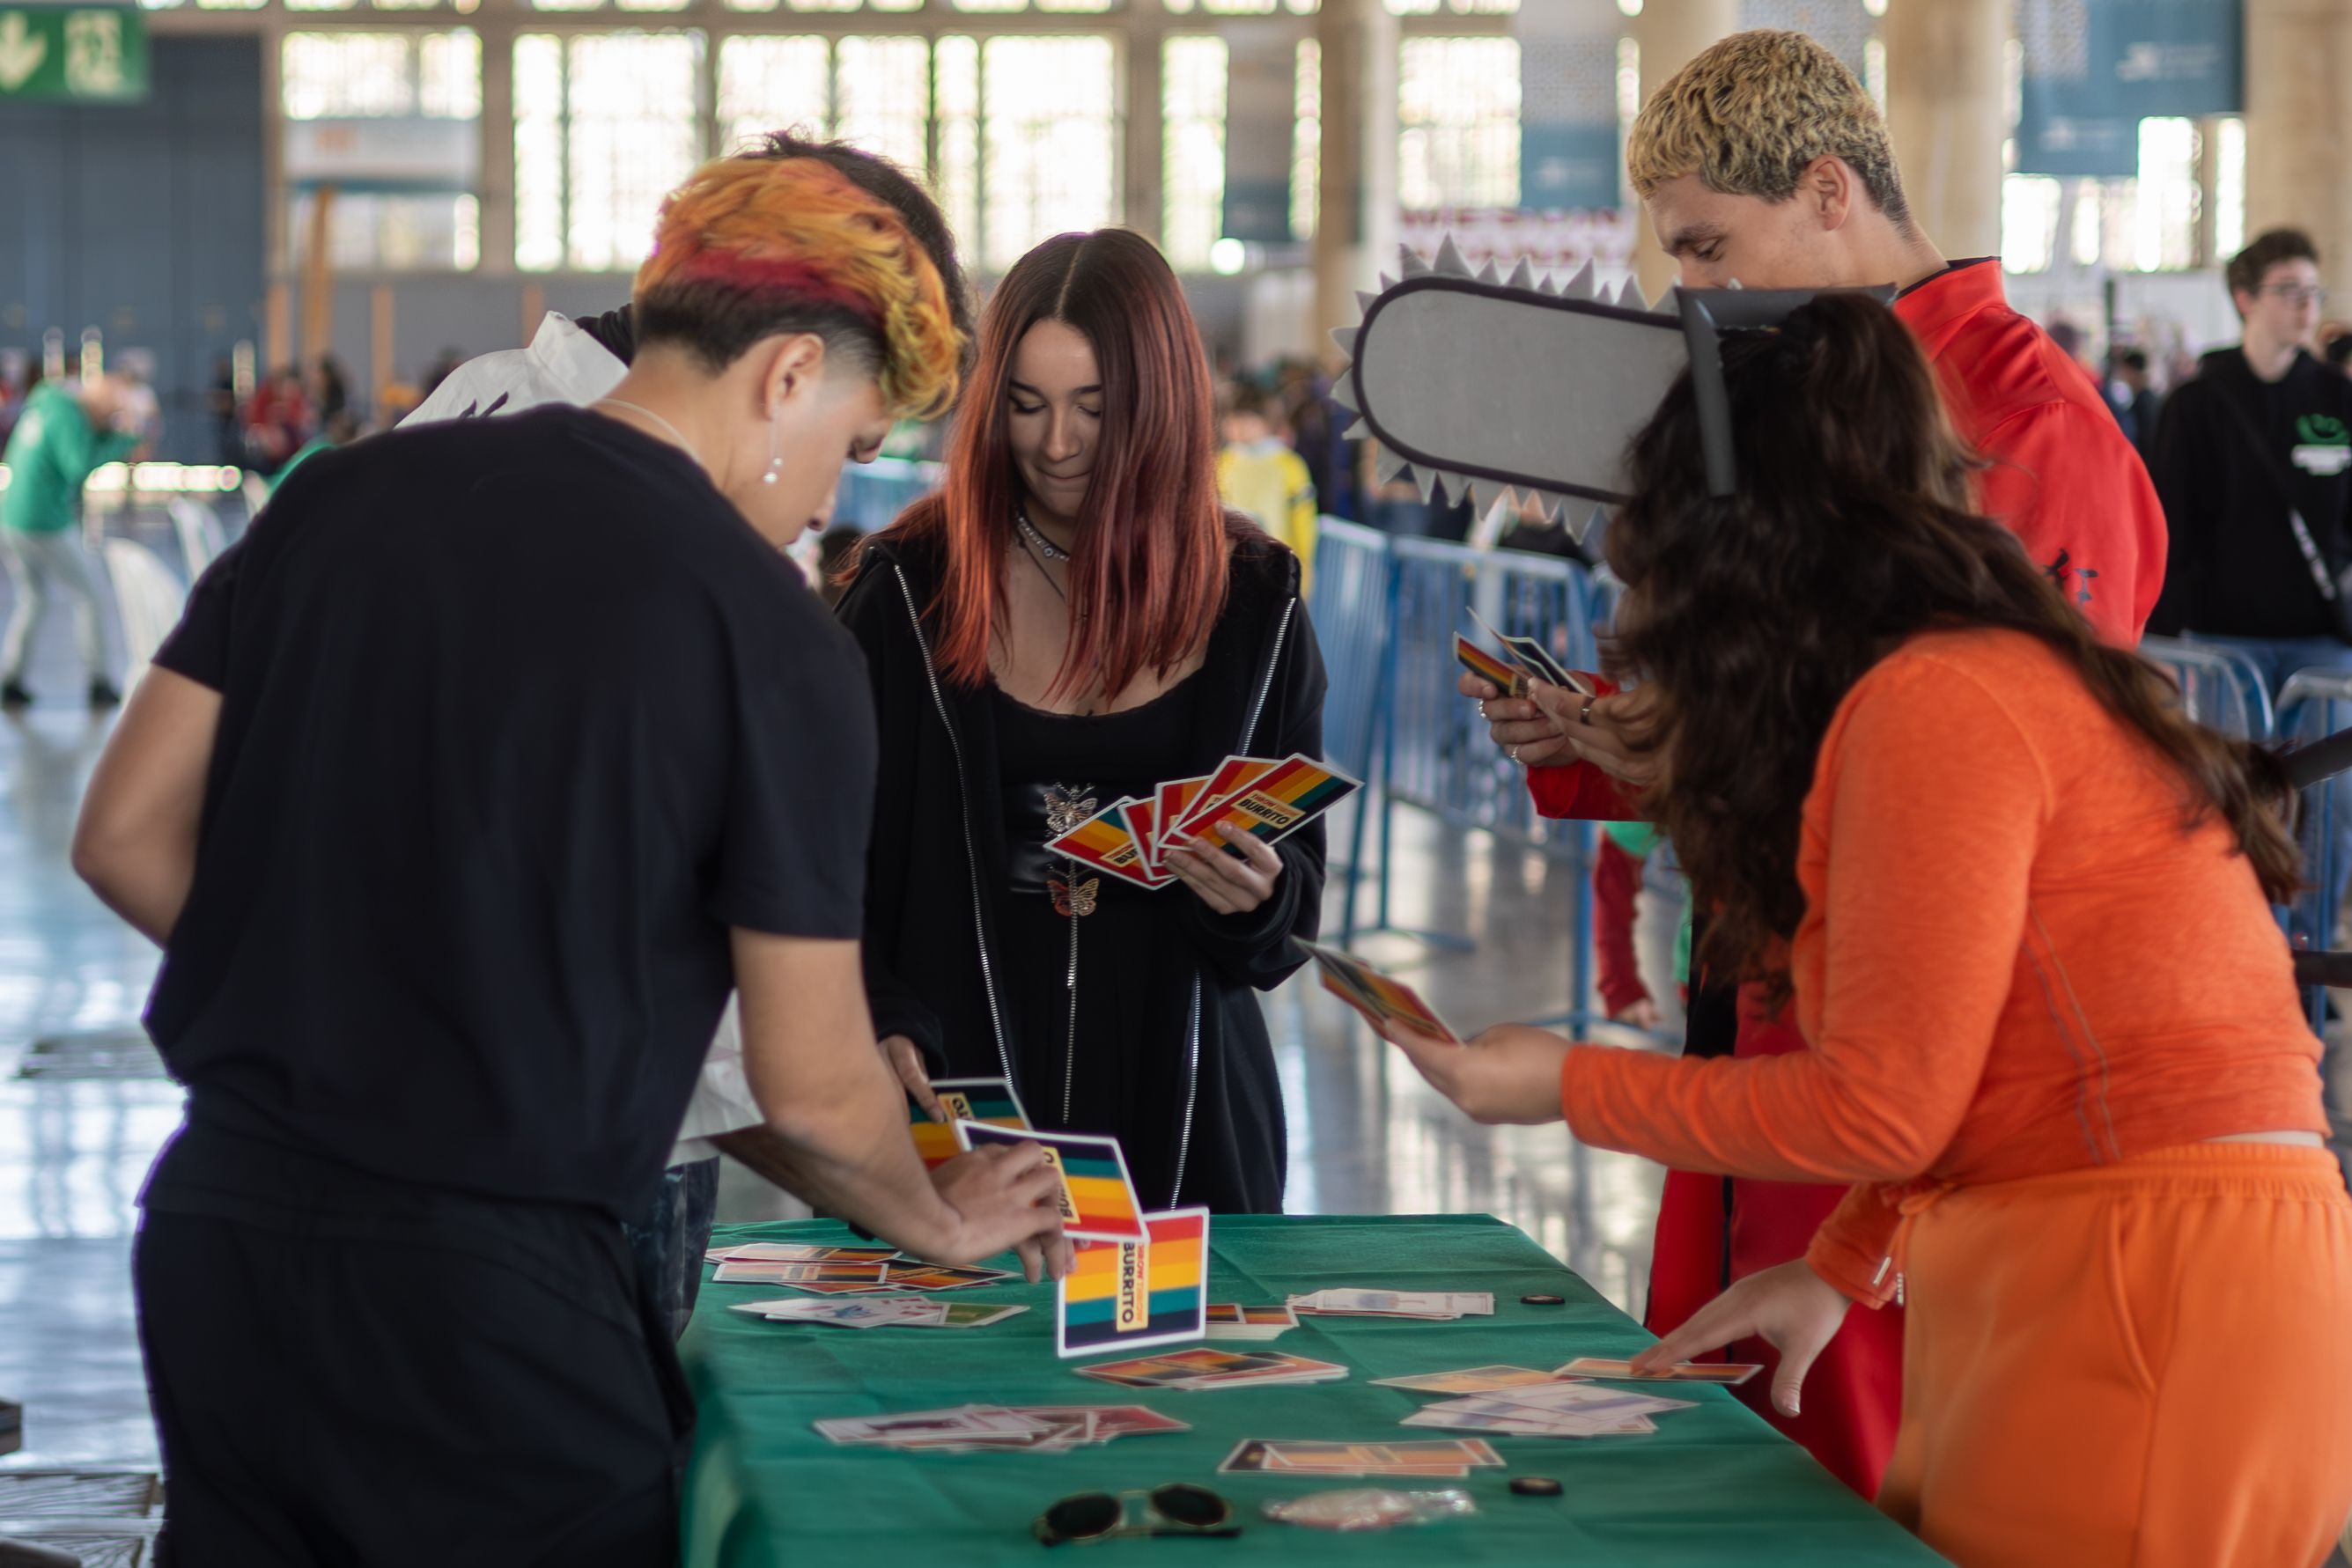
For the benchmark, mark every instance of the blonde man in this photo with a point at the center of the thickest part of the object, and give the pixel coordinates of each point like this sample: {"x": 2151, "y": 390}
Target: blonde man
{"x": 1765, "y": 163}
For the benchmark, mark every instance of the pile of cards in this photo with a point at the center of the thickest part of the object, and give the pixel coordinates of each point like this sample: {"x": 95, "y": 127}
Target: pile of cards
{"x": 840, "y": 1271}
{"x": 1550, "y": 1409}
{"x": 996, "y": 1428}
{"x": 1197, "y": 1369}
{"x": 886, "y": 1312}
{"x": 1438, "y": 1305}
{"x": 1724, "y": 1373}
{"x": 1448, "y": 1458}
{"x": 1528, "y": 660}
{"x": 1381, "y": 999}
{"x": 1264, "y": 797}
{"x": 1227, "y": 1321}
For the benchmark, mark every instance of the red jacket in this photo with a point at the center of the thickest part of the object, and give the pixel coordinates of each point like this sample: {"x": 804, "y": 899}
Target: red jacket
{"x": 2063, "y": 477}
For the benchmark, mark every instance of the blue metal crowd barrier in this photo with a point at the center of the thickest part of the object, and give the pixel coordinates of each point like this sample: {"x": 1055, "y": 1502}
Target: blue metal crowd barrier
{"x": 2223, "y": 687}
{"x": 2314, "y": 704}
{"x": 1386, "y": 609}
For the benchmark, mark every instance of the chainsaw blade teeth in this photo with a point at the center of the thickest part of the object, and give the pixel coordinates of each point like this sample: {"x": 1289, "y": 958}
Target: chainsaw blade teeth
{"x": 1591, "y": 527}
{"x": 1488, "y": 273}
{"x": 1344, "y": 393}
{"x": 1524, "y": 275}
{"x": 1449, "y": 262}
{"x": 1414, "y": 266}
{"x": 1427, "y": 479}
{"x": 1580, "y": 286}
{"x": 1345, "y": 337}
{"x": 1364, "y": 301}
{"x": 1632, "y": 298}
{"x": 1387, "y": 466}
{"x": 1355, "y": 432}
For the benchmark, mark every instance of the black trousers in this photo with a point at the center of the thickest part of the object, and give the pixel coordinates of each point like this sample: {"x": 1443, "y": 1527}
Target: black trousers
{"x": 427, "y": 1382}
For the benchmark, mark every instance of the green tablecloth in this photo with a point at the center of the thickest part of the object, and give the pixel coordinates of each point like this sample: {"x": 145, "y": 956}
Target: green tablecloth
{"x": 1713, "y": 1485}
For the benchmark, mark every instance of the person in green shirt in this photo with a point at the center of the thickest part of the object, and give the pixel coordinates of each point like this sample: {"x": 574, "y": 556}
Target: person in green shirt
{"x": 67, "y": 432}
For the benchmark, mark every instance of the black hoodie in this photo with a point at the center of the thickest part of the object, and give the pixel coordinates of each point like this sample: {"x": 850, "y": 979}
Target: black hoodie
{"x": 2236, "y": 569}
{"x": 1212, "y": 1129}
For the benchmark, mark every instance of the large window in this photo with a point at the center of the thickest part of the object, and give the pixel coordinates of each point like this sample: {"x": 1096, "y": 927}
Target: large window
{"x": 1193, "y": 148}
{"x": 605, "y": 125}
{"x": 382, "y": 127}
{"x": 874, "y": 92}
{"x": 1307, "y": 141}
{"x": 1458, "y": 123}
{"x": 2155, "y": 222}
{"x": 1028, "y": 139}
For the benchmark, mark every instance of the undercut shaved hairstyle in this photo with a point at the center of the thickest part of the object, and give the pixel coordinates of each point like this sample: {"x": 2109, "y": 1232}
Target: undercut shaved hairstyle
{"x": 1749, "y": 115}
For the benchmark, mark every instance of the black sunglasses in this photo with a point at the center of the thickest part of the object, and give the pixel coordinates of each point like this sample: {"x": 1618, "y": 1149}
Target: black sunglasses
{"x": 1178, "y": 1509}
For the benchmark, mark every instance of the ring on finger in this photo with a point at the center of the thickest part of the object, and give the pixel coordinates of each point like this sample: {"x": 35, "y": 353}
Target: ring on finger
{"x": 1482, "y": 710}
{"x": 1584, "y": 713}
{"x": 1512, "y": 752}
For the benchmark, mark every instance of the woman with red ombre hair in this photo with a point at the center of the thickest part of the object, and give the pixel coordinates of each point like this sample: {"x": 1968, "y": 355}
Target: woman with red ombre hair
{"x": 1075, "y": 617}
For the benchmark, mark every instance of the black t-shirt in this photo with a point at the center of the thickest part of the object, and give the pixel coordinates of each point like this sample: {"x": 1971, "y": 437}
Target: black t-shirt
{"x": 518, "y": 718}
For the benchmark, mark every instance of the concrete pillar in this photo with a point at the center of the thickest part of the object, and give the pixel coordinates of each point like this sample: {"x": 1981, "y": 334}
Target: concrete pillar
{"x": 1947, "y": 108}
{"x": 2299, "y": 126}
{"x": 495, "y": 213}
{"x": 1356, "y": 225}
{"x": 1141, "y": 177}
{"x": 1670, "y": 34}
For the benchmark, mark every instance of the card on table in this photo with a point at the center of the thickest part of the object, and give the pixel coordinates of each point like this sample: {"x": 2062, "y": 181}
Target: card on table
{"x": 1727, "y": 1374}
{"x": 1453, "y": 1457}
{"x": 1435, "y": 1304}
{"x": 1537, "y": 659}
{"x": 989, "y": 1100}
{"x": 842, "y": 1314}
{"x": 793, "y": 1252}
{"x": 939, "y": 1277}
{"x": 1228, "y": 1321}
{"x": 1470, "y": 1380}
{"x": 966, "y": 1314}
{"x": 866, "y": 1275}
{"x": 1104, "y": 842}
{"x": 1374, "y": 995}
{"x": 1126, "y": 1294}
{"x": 1276, "y": 803}
{"x": 1098, "y": 1201}
{"x": 1273, "y": 1366}
{"x": 1507, "y": 679}
{"x": 929, "y": 1425}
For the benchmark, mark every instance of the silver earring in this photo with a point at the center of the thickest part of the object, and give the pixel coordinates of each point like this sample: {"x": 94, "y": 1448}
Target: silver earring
{"x": 776, "y": 459}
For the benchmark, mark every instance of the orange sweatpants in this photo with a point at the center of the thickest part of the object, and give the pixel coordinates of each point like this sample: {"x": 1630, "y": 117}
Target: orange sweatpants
{"x": 2143, "y": 1365}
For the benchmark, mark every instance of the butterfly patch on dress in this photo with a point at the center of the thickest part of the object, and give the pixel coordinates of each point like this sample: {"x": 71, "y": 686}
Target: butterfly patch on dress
{"x": 1065, "y": 809}
{"x": 1072, "y": 897}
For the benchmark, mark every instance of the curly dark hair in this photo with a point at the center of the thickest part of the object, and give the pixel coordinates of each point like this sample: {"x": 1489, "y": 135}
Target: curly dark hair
{"x": 1852, "y": 531}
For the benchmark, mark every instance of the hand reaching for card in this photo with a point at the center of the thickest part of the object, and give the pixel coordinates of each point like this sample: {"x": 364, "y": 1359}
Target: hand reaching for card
{"x": 1004, "y": 1196}
{"x": 1510, "y": 1074}
{"x": 1519, "y": 726}
{"x": 1792, "y": 1308}
{"x": 1228, "y": 885}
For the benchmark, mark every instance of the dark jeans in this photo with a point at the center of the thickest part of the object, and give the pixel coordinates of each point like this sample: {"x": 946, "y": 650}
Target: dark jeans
{"x": 671, "y": 1236}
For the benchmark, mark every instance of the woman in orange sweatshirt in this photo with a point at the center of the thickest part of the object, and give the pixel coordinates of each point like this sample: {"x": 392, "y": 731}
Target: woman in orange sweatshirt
{"x": 2021, "y": 904}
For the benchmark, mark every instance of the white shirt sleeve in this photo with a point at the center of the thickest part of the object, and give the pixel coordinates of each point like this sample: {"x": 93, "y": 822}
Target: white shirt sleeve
{"x": 722, "y": 1099}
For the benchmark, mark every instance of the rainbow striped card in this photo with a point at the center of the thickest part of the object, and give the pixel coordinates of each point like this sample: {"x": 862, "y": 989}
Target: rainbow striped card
{"x": 1505, "y": 678}
{"x": 1124, "y": 1296}
{"x": 989, "y": 1100}
{"x": 1098, "y": 1202}
{"x": 1279, "y": 801}
{"x": 1105, "y": 842}
{"x": 1375, "y": 995}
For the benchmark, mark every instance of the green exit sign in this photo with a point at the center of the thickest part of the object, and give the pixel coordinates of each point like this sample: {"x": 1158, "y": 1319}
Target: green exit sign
{"x": 73, "y": 56}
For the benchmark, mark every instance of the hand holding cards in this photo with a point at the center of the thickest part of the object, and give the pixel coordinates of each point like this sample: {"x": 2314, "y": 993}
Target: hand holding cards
{"x": 1263, "y": 797}
{"x": 1381, "y": 1000}
{"x": 1529, "y": 659}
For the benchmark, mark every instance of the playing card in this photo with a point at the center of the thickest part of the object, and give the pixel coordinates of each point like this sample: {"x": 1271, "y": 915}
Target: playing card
{"x": 1143, "y": 818}
{"x": 1432, "y": 1456}
{"x": 1228, "y": 1321}
{"x": 868, "y": 1275}
{"x": 1470, "y": 1380}
{"x": 1507, "y": 679}
{"x": 1537, "y": 659}
{"x": 1133, "y": 1420}
{"x": 989, "y": 1100}
{"x": 1727, "y": 1374}
{"x": 1173, "y": 1371}
{"x": 1374, "y": 995}
{"x": 1131, "y": 1294}
{"x": 913, "y": 1276}
{"x": 964, "y": 1315}
{"x": 844, "y": 1314}
{"x": 1098, "y": 1201}
{"x": 920, "y": 1426}
{"x": 1104, "y": 842}
{"x": 1271, "y": 1366}
{"x": 1278, "y": 803}
{"x": 792, "y": 1252}
{"x": 1170, "y": 804}
{"x": 1349, "y": 1302}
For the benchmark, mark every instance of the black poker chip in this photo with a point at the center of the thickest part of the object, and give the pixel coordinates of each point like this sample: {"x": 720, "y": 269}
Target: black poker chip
{"x": 1535, "y": 1485}
{"x": 1543, "y": 1301}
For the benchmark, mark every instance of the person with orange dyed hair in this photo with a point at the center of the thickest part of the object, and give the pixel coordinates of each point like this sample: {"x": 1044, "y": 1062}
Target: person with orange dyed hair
{"x": 476, "y": 775}
{"x": 1074, "y": 618}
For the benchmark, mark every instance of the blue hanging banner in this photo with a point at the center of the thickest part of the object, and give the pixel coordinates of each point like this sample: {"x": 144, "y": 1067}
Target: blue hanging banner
{"x": 1568, "y": 155}
{"x": 2095, "y": 68}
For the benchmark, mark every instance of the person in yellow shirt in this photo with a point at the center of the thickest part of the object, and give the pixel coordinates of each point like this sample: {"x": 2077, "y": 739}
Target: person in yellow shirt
{"x": 1258, "y": 472}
